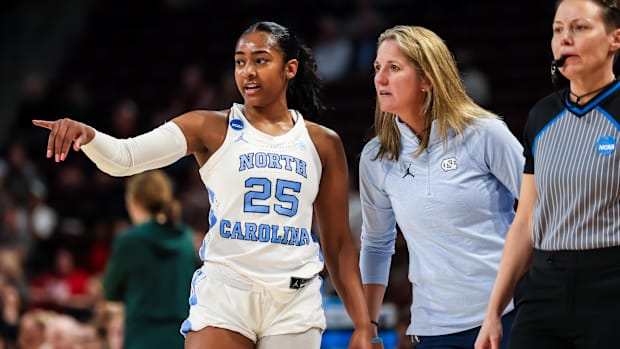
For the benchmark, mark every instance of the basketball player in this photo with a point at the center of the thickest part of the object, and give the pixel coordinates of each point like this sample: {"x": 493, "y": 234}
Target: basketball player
{"x": 265, "y": 168}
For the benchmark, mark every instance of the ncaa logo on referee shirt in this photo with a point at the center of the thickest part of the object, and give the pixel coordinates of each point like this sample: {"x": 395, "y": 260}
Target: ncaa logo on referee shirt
{"x": 236, "y": 124}
{"x": 606, "y": 145}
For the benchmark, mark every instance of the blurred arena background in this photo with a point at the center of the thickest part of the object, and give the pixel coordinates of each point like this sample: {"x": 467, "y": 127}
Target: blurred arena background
{"x": 126, "y": 66}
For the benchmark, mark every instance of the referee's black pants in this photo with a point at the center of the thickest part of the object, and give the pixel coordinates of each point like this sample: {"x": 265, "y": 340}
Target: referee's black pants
{"x": 569, "y": 299}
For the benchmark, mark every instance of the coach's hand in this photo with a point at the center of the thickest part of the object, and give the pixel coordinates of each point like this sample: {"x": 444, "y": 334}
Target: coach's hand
{"x": 63, "y": 132}
{"x": 490, "y": 334}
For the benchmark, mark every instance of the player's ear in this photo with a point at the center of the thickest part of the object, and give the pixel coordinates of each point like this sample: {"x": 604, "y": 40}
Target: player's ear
{"x": 291, "y": 68}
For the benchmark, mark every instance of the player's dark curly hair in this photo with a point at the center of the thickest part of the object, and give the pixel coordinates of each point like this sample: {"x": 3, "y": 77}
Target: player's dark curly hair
{"x": 304, "y": 92}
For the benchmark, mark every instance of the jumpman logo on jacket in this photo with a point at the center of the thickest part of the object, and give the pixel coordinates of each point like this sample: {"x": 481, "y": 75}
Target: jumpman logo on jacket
{"x": 408, "y": 172}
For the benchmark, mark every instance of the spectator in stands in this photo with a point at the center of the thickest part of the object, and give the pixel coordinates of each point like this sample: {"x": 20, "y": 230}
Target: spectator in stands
{"x": 61, "y": 332}
{"x": 10, "y": 311}
{"x": 562, "y": 254}
{"x": 65, "y": 288}
{"x": 364, "y": 25}
{"x": 447, "y": 172}
{"x": 31, "y": 332}
{"x": 89, "y": 337}
{"x": 35, "y": 101}
{"x": 75, "y": 99}
{"x": 114, "y": 325}
{"x": 157, "y": 250}
{"x": 476, "y": 82}
{"x": 266, "y": 169}
{"x": 194, "y": 92}
{"x": 228, "y": 92}
{"x": 333, "y": 49}
{"x": 125, "y": 120}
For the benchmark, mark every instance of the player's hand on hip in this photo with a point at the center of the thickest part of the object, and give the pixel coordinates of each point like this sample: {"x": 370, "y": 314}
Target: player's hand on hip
{"x": 63, "y": 132}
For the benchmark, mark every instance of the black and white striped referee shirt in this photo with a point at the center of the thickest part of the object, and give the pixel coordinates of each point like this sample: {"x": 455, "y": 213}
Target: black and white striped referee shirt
{"x": 572, "y": 152}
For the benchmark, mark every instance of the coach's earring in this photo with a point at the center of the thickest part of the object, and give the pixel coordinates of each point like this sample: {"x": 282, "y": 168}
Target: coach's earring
{"x": 423, "y": 89}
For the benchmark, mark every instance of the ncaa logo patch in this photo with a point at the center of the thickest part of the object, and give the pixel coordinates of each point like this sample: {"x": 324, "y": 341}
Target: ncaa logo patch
{"x": 236, "y": 124}
{"x": 606, "y": 145}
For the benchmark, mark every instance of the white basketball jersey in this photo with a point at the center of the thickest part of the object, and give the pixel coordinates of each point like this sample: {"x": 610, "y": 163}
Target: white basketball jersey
{"x": 261, "y": 189}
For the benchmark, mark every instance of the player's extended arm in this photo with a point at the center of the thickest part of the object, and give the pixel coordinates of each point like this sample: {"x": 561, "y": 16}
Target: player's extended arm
{"x": 157, "y": 148}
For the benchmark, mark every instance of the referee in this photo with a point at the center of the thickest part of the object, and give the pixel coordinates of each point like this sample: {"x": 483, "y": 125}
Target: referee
{"x": 569, "y": 208}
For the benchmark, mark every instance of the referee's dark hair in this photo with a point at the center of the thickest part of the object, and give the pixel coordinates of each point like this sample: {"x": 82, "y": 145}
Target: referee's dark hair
{"x": 610, "y": 14}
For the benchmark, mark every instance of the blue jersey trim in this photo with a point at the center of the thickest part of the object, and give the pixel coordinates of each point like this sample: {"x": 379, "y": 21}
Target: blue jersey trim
{"x": 609, "y": 117}
{"x": 592, "y": 103}
{"x": 542, "y": 130}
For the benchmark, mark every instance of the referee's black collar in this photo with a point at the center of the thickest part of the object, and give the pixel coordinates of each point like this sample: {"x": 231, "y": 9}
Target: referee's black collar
{"x": 581, "y": 110}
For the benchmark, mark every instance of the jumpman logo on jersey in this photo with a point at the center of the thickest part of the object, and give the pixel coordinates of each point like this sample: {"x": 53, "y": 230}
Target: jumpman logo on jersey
{"x": 297, "y": 283}
{"x": 408, "y": 172}
{"x": 240, "y": 138}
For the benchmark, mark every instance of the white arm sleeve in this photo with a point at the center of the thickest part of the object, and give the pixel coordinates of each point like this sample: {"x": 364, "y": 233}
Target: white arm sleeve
{"x": 157, "y": 148}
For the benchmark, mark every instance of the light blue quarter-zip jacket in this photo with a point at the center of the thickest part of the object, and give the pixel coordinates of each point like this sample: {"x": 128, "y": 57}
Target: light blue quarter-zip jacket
{"x": 454, "y": 204}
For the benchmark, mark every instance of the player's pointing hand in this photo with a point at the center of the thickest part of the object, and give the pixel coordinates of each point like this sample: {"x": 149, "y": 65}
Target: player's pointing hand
{"x": 63, "y": 132}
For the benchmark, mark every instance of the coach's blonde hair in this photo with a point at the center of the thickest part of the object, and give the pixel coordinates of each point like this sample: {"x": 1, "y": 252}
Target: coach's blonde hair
{"x": 153, "y": 191}
{"x": 446, "y": 102}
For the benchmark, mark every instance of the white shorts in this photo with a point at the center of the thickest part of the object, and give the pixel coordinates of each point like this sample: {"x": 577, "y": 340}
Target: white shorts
{"x": 222, "y": 298}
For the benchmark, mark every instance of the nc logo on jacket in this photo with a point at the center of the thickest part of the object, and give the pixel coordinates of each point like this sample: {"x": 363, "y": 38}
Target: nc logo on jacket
{"x": 448, "y": 164}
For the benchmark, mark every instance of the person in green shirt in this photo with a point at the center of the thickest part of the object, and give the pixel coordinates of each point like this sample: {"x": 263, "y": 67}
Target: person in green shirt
{"x": 151, "y": 265}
